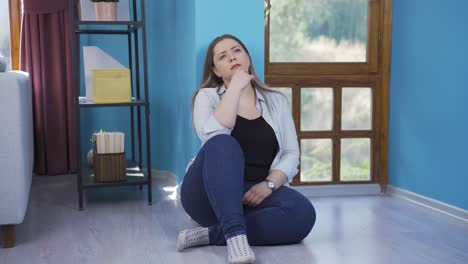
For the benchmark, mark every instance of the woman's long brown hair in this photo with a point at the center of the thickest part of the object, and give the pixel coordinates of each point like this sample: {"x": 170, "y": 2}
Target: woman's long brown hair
{"x": 210, "y": 80}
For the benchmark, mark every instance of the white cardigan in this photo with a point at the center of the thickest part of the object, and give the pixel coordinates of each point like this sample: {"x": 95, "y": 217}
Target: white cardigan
{"x": 278, "y": 116}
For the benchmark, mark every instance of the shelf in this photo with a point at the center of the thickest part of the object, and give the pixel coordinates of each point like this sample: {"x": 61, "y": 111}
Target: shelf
{"x": 109, "y": 23}
{"x": 135, "y": 176}
{"x": 139, "y": 123}
{"x": 83, "y": 103}
{"x": 107, "y": 27}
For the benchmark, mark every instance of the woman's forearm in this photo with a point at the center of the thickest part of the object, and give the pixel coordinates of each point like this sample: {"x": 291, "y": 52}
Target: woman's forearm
{"x": 227, "y": 109}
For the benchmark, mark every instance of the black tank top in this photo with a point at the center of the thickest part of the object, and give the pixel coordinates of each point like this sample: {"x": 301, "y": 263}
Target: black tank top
{"x": 258, "y": 142}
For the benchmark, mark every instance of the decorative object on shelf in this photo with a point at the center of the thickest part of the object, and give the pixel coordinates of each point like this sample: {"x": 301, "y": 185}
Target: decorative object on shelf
{"x": 95, "y": 58}
{"x": 111, "y": 85}
{"x": 87, "y": 10}
{"x": 110, "y": 167}
{"x": 110, "y": 164}
{"x": 106, "y": 10}
{"x": 109, "y": 142}
{"x": 90, "y": 154}
{"x": 90, "y": 158}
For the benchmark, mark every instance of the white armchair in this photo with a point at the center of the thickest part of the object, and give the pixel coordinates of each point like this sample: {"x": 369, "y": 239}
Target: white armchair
{"x": 16, "y": 151}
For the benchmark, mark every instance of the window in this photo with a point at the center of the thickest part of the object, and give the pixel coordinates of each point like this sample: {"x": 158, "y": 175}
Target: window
{"x": 5, "y": 32}
{"x": 10, "y": 24}
{"x": 319, "y": 31}
{"x": 331, "y": 59}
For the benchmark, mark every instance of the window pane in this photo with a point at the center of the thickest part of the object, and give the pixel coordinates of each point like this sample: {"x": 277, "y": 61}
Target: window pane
{"x": 316, "y": 160}
{"x": 5, "y": 32}
{"x": 316, "y": 109}
{"x": 356, "y": 110}
{"x": 318, "y": 30}
{"x": 355, "y": 159}
{"x": 287, "y": 91}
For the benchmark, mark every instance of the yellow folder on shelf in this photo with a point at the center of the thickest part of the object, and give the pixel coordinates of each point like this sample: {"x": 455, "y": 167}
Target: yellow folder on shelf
{"x": 111, "y": 85}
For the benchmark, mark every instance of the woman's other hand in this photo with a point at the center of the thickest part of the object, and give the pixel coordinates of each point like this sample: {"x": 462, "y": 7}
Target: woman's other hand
{"x": 240, "y": 79}
{"x": 257, "y": 194}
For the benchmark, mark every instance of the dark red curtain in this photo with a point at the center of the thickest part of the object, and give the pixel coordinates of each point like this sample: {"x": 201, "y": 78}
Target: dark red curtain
{"x": 46, "y": 55}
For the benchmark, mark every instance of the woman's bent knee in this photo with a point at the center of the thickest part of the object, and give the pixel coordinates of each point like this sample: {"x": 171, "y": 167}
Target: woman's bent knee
{"x": 304, "y": 216}
{"x": 223, "y": 143}
{"x": 310, "y": 217}
{"x": 222, "y": 139}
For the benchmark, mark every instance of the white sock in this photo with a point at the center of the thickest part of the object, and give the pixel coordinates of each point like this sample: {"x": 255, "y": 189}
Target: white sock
{"x": 194, "y": 237}
{"x": 239, "y": 250}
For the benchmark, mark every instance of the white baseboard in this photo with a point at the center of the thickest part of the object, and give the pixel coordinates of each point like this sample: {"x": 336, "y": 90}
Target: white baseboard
{"x": 339, "y": 190}
{"x": 164, "y": 174}
{"x": 428, "y": 202}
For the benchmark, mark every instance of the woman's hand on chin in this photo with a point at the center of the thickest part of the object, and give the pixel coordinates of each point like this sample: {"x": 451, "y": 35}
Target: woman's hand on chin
{"x": 240, "y": 79}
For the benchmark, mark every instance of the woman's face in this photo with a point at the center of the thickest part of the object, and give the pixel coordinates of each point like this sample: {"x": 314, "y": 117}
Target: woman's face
{"x": 228, "y": 57}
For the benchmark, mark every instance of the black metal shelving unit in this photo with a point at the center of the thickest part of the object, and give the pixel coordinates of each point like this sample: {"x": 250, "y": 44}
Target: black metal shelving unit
{"x": 136, "y": 175}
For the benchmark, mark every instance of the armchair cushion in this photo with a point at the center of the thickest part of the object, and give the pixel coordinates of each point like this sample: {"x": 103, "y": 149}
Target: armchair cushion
{"x": 16, "y": 141}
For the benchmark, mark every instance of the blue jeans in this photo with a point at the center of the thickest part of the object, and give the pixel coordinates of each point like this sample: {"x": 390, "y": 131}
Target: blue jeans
{"x": 212, "y": 193}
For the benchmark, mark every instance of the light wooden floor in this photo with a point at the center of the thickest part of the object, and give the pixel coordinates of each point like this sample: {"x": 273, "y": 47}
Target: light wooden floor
{"x": 117, "y": 226}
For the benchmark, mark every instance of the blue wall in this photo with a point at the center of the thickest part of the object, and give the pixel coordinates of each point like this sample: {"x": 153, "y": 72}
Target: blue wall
{"x": 428, "y": 99}
{"x": 161, "y": 18}
{"x": 241, "y": 18}
{"x": 178, "y": 33}
{"x": 185, "y": 143}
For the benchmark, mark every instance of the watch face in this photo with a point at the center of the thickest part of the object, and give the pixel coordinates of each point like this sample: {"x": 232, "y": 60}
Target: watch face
{"x": 271, "y": 185}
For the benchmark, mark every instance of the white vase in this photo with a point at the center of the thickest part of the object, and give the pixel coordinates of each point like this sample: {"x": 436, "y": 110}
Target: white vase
{"x": 106, "y": 11}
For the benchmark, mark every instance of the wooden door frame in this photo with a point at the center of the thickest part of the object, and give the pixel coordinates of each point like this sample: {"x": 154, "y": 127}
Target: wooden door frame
{"x": 386, "y": 44}
{"x": 15, "y": 32}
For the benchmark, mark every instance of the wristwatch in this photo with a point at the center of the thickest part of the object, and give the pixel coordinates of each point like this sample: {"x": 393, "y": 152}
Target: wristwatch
{"x": 271, "y": 185}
